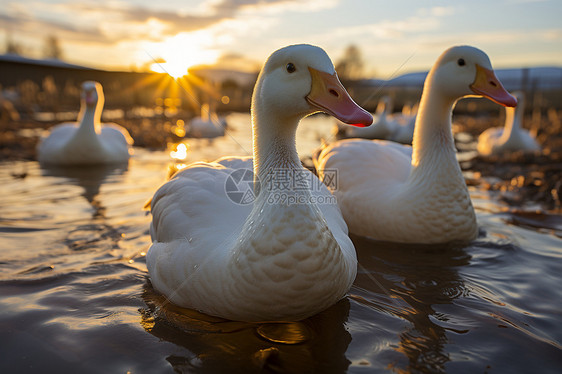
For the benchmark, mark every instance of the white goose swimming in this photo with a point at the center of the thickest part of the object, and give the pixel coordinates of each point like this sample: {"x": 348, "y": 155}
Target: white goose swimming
{"x": 208, "y": 124}
{"x": 88, "y": 141}
{"x": 510, "y": 138}
{"x": 273, "y": 259}
{"x": 399, "y": 193}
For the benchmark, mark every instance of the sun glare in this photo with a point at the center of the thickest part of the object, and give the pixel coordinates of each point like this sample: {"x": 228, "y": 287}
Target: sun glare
{"x": 180, "y": 153}
{"x": 183, "y": 51}
{"x": 175, "y": 69}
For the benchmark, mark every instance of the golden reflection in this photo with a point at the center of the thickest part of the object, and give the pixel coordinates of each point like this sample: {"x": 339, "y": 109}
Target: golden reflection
{"x": 179, "y": 129}
{"x": 180, "y": 152}
{"x": 285, "y": 332}
{"x": 147, "y": 320}
{"x": 315, "y": 345}
{"x": 169, "y": 102}
{"x": 173, "y": 168}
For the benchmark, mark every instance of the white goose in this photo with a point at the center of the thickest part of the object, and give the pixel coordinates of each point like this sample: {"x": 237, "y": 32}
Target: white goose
{"x": 269, "y": 260}
{"x": 404, "y": 131}
{"x": 510, "y": 138}
{"x": 383, "y": 126}
{"x": 87, "y": 141}
{"x": 399, "y": 193}
{"x": 208, "y": 125}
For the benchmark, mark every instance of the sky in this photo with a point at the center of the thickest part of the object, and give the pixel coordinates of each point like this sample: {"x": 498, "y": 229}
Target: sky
{"x": 393, "y": 36}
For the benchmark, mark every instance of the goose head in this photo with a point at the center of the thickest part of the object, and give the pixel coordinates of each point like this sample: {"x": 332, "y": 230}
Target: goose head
{"x": 467, "y": 71}
{"x": 300, "y": 80}
{"x": 92, "y": 95}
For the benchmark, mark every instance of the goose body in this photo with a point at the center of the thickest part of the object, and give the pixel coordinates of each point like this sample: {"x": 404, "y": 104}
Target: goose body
{"x": 208, "y": 125}
{"x": 285, "y": 255}
{"x": 88, "y": 141}
{"x": 404, "y": 130}
{"x": 510, "y": 138}
{"x": 417, "y": 194}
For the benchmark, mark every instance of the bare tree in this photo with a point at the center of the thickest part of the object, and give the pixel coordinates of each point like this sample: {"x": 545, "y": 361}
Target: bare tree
{"x": 52, "y": 48}
{"x": 350, "y": 66}
{"x": 12, "y": 47}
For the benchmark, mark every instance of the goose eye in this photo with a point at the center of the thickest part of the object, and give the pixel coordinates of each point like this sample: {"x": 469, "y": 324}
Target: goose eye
{"x": 291, "y": 68}
{"x": 461, "y": 62}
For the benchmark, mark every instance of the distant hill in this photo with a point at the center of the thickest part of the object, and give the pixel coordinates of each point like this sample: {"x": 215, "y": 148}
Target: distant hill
{"x": 210, "y": 73}
{"x": 43, "y": 62}
{"x": 513, "y": 79}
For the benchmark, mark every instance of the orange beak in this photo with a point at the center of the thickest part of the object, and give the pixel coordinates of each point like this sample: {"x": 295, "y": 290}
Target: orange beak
{"x": 487, "y": 84}
{"x": 328, "y": 95}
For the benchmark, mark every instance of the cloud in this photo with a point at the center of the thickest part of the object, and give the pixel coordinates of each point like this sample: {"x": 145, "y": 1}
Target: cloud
{"x": 281, "y": 6}
{"x": 424, "y": 20}
{"x": 442, "y": 11}
{"x": 238, "y": 61}
{"x": 115, "y": 22}
{"x": 27, "y": 24}
{"x": 232, "y": 6}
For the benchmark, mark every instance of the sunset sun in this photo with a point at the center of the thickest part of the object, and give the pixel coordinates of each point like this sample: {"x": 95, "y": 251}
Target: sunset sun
{"x": 174, "y": 68}
{"x": 178, "y": 53}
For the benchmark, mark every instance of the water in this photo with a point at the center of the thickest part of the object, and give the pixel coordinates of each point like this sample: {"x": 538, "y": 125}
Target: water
{"x": 76, "y": 297}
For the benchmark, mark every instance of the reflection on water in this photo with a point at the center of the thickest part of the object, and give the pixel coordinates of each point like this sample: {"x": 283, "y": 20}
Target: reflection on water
{"x": 76, "y": 295}
{"x": 317, "y": 344}
{"x": 90, "y": 179}
{"x": 408, "y": 281}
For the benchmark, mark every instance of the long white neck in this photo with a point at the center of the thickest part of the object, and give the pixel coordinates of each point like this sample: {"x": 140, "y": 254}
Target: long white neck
{"x": 513, "y": 118}
{"x": 89, "y": 120}
{"x": 436, "y": 178}
{"x": 274, "y": 142}
{"x": 433, "y": 144}
{"x": 205, "y": 112}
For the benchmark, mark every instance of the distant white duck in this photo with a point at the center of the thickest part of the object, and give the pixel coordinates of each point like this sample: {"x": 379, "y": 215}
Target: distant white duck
{"x": 399, "y": 193}
{"x": 510, "y": 138}
{"x": 404, "y": 130}
{"x": 88, "y": 141}
{"x": 207, "y": 125}
{"x": 383, "y": 126}
{"x": 285, "y": 256}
